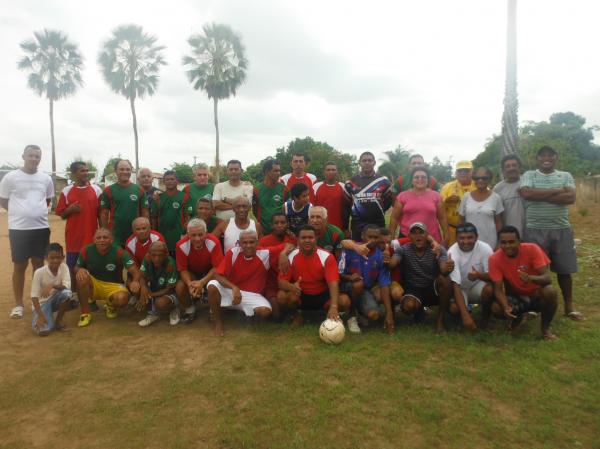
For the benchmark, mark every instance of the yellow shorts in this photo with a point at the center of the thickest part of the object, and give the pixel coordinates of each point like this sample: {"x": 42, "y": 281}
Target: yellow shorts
{"x": 102, "y": 290}
{"x": 393, "y": 285}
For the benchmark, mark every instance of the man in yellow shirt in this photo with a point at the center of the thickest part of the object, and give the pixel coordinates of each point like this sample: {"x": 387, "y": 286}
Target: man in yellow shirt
{"x": 452, "y": 193}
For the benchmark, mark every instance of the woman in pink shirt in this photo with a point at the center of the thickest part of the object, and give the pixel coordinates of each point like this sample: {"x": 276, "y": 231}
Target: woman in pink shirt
{"x": 420, "y": 203}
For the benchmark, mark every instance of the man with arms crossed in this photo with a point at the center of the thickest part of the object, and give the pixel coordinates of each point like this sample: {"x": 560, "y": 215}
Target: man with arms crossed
{"x": 26, "y": 194}
{"x": 522, "y": 281}
{"x": 548, "y": 193}
{"x": 225, "y": 192}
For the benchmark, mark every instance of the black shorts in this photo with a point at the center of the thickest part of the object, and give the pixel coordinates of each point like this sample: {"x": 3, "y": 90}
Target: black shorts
{"x": 427, "y": 295}
{"x": 28, "y": 243}
{"x": 314, "y": 302}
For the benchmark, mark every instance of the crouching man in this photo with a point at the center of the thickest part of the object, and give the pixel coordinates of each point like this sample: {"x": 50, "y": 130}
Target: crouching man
{"x": 99, "y": 275}
{"x": 470, "y": 280}
{"x": 312, "y": 281}
{"x": 240, "y": 279}
{"x": 522, "y": 281}
{"x": 157, "y": 286}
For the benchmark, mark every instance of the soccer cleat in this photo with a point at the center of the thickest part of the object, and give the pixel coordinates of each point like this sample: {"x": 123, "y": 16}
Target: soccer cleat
{"x": 174, "y": 317}
{"x": 148, "y": 320}
{"x": 353, "y": 326}
{"x": 84, "y": 320}
{"x": 110, "y": 312}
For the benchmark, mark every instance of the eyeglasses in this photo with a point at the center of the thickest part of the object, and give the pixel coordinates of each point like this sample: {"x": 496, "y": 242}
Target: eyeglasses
{"x": 481, "y": 178}
{"x": 467, "y": 228}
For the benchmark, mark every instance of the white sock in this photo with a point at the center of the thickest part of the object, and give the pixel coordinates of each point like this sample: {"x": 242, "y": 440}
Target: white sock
{"x": 191, "y": 309}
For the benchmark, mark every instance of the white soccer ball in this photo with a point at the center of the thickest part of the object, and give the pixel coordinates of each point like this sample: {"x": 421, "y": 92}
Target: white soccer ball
{"x": 332, "y": 332}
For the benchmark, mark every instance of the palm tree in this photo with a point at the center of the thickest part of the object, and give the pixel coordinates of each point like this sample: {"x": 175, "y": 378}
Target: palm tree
{"x": 130, "y": 61}
{"x": 55, "y": 66}
{"x": 217, "y": 66}
{"x": 396, "y": 162}
{"x": 510, "y": 116}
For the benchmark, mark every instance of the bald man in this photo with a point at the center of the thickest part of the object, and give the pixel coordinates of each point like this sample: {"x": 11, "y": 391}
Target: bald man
{"x": 144, "y": 179}
{"x": 241, "y": 221}
{"x": 143, "y": 236}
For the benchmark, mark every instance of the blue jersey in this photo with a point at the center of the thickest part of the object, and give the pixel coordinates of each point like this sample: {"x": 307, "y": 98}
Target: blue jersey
{"x": 296, "y": 219}
{"x": 371, "y": 198}
{"x": 372, "y": 269}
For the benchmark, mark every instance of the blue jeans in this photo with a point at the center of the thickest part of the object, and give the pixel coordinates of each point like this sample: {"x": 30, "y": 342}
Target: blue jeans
{"x": 48, "y": 307}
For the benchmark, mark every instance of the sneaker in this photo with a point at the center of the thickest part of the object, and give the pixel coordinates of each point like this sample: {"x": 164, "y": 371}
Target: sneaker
{"x": 110, "y": 312}
{"x": 174, "y": 317}
{"x": 148, "y": 320}
{"x": 84, "y": 319}
{"x": 353, "y": 325}
{"x": 189, "y": 315}
{"x": 17, "y": 312}
{"x": 93, "y": 306}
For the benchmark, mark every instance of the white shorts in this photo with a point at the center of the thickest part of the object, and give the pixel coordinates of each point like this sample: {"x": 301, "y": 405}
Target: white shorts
{"x": 250, "y": 300}
{"x": 473, "y": 295}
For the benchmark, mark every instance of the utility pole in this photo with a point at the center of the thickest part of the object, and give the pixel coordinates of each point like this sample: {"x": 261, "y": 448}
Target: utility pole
{"x": 510, "y": 116}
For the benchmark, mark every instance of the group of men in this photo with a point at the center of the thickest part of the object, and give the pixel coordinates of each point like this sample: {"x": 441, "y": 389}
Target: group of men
{"x": 311, "y": 246}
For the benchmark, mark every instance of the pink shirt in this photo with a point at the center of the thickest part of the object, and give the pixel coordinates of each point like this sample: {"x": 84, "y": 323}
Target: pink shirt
{"x": 421, "y": 208}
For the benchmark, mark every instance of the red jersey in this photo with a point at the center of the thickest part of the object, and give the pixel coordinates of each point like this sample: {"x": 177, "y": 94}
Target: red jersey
{"x": 530, "y": 259}
{"x": 316, "y": 271}
{"x": 271, "y": 240}
{"x": 249, "y": 274}
{"x": 199, "y": 261}
{"x": 290, "y": 179}
{"x": 335, "y": 199}
{"x": 396, "y": 273}
{"x": 80, "y": 226}
{"x": 138, "y": 250}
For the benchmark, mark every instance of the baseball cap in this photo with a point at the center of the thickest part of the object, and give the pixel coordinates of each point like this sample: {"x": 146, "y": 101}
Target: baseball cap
{"x": 464, "y": 165}
{"x": 417, "y": 225}
{"x": 546, "y": 149}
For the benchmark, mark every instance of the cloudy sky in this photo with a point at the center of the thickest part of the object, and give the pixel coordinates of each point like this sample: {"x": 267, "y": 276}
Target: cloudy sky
{"x": 428, "y": 75}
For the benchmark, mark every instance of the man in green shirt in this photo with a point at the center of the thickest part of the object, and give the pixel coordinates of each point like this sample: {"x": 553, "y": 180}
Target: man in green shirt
{"x": 200, "y": 188}
{"x": 99, "y": 275}
{"x": 205, "y": 211}
{"x": 329, "y": 237}
{"x": 169, "y": 211}
{"x": 269, "y": 195}
{"x": 157, "y": 286}
{"x": 121, "y": 203}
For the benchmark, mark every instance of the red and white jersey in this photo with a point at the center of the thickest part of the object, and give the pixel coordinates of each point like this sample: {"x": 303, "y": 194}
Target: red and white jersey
{"x": 138, "y": 250}
{"x": 335, "y": 199}
{"x": 290, "y": 179}
{"x": 249, "y": 274}
{"x": 316, "y": 271}
{"x": 199, "y": 261}
{"x": 80, "y": 226}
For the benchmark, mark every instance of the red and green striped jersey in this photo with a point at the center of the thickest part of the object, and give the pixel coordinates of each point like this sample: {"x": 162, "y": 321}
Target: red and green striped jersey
{"x": 161, "y": 277}
{"x": 125, "y": 204}
{"x": 332, "y": 239}
{"x": 105, "y": 267}
{"x": 169, "y": 208}
{"x": 268, "y": 200}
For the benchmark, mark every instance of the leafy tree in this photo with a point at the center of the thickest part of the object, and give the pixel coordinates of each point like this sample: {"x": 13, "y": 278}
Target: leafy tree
{"x": 492, "y": 154}
{"x": 217, "y": 65}
{"x": 396, "y": 162}
{"x": 441, "y": 170}
{"x": 54, "y": 64}
{"x": 109, "y": 167}
{"x": 130, "y": 61}
{"x": 316, "y": 154}
{"x": 184, "y": 171}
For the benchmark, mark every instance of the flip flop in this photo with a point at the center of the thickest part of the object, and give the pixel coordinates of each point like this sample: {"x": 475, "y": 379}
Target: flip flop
{"x": 549, "y": 337}
{"x": 575, "y": 316}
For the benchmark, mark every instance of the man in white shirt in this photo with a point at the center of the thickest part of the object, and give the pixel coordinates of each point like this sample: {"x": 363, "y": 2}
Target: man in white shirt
{"x": 225, "y": 192}
{"x": 26, "y": 194}
{"x": 470, "y": 280}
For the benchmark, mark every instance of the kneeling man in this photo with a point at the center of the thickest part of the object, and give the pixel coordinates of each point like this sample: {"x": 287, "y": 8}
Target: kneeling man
{"x": 522, "y": 281}
{"x": 99, "y": 275}
{"x": 312, "y": 282}
{"x": 470, "y": 280}
{"x": 240, "y": 279}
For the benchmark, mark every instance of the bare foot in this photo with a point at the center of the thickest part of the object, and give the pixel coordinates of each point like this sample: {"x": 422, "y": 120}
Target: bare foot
{"x": 60, "y": 326}
{"x": 549, "y": 336}
{"x": 219, "y": 330}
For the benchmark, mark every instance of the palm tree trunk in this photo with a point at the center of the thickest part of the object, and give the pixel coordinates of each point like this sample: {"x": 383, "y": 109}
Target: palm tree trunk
{"x": 135, "y": 133}
{"x": 510, "y": 117}
{"x": 217, "y": 161}
{"x": 53, "y": 152}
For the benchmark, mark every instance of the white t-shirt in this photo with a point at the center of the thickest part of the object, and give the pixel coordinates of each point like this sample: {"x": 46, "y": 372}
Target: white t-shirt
{"x": 482, "y": 215}
{"x": 43, "y": 277}
{"x": 27, "y": 195}
{"x": 225, "y": 191}
{"x": 464, "y": 262}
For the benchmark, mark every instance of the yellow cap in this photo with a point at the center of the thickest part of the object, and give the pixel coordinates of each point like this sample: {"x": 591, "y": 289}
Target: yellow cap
{"x": 464, "y": 164}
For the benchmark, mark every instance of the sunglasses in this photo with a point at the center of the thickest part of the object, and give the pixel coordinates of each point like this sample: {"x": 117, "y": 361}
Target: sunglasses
{"x": 481, "y": 178}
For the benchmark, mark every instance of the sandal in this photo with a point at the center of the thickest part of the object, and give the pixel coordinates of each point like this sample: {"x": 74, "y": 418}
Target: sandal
{"x": 575, "y": 316}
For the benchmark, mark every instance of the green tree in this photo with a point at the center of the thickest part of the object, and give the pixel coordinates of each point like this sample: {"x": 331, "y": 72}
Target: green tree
{"x": 130, "y": 61}
{"x": 109, "y": 167}
{"x": 184, "y": 171}
{"x": 441, "y": 170}
{"x": 395, "y": 162}
{"x": 217, "y": 65}
{"x": 54, "y": 64}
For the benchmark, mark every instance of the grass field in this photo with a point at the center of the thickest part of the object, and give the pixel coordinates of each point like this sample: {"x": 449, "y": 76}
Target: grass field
{"x": 115, "y": 385}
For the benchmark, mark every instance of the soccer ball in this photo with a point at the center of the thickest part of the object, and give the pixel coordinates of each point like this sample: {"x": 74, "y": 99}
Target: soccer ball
{"x": 332, "y": 332}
